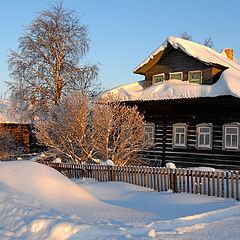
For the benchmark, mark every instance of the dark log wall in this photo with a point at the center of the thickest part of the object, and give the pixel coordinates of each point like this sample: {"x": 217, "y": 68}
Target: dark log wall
{"x": 177, "y": 61}
{"x": 24, "y": 136}
{"x": 217, "y": 111}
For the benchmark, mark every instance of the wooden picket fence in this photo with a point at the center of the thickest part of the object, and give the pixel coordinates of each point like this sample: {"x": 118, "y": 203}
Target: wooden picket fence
{"x": 218, "y": 183}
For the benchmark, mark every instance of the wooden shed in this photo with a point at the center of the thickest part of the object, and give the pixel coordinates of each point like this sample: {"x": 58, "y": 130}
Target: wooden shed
{"x": 190, "y": 97}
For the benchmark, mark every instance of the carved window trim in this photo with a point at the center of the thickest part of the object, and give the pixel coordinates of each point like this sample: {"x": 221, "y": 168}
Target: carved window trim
{"x": 200, "y": 127}
{"x": 179, "y": 131}
{"x": 150, "y": 136}
{"x": 226, "y": 135}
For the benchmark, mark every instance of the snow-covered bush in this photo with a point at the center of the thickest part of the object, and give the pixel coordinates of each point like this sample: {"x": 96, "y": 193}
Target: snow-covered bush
{"x": 82, "y": 131}
{"x": 108, "y": 163}
{"x": 170, "y": 165}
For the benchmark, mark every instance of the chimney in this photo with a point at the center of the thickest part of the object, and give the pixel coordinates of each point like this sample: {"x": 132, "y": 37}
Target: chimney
{"x": 228, "y": 52}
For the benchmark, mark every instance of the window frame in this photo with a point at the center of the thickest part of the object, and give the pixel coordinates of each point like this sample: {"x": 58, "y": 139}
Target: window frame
{"x": 176, "y": 73}
{"x": 225, "y": 127}
{"x": 158, "y": 75}
{"x": 150, "y": 141}
{"x": 174, "y": 144}
{"x": 198, "y": 127}
{"x": 194, "y": 72}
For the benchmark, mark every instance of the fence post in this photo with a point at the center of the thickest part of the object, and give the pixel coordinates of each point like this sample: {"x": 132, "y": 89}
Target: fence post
{"x": 204, "y": 183}
{"x": 218, "y": 185}
{"x": 223, "y": 190}
{"x": 135, "y": 175}
{"x": 175, "y": 180}
{"x": 192, "y": 183}
{"x": 169, "y": 178}
{"x": 180, "y": 179}
{"x": 158, "y": 185}
{"x": 151, "y": 177}
{"x": 132, "y": 175}
{"x": 232, "y": 184}
{"x": 209, "y": 183}
{"x": 161, "y": 179}
{"x": 227, "y": 182}
{"x": 138, "y": 175}
{"x": 213, "y": 184}
{"x": 196, "y": 181}
{"x": 148, "y": 177}
{"x": 188, "y": 182}
{"x": 237, "y": 186}
{"x": 141, "y": 170}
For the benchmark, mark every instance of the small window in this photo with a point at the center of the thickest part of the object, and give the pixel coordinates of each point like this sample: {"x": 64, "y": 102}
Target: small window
{"x": 175, "y": 76}
{"x": 195, "y": 77}
{"x": 180, "y": 135}
{"x": 231, "y": 136}
{"x": 204, "y": 136}
{"x": 150, "y": 132}
{"x": 158, "y": 78}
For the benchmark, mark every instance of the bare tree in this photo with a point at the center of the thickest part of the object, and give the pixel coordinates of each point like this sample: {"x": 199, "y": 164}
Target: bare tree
{"x": 185, "y": 35}
{"x": 66, "y": 129}
{"x": 119, "y": 132}
{"x": 84, "y": 131}
{"x": 46, "y": 67}
{"x": 208, "y": 42}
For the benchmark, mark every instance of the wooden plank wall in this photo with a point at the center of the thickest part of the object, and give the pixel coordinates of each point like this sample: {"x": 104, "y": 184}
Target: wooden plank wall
{"x": 177, "y": 61}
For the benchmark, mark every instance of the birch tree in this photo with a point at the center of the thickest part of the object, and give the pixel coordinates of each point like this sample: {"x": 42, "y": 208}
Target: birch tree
{"x": 47, "y": 63}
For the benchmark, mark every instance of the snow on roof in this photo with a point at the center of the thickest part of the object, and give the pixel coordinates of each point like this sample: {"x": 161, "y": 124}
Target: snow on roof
{"x": 193, "y": 49}
{"x": 228, "y": 83}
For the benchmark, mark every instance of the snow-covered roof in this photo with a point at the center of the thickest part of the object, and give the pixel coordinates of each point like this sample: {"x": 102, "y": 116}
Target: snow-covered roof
{"x": 228, "y": 83}
{"x": 193, "y": 49}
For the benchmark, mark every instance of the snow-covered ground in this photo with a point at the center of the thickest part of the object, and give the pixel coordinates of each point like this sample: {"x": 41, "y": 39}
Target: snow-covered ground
{"x": 37, "y": 202}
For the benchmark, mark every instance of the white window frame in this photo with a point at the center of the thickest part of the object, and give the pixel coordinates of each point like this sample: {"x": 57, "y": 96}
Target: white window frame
{"x": 175, "y": 73}
{"x": 198, "y": 131}
{"x": 157, "y": 75}
{"x": 190, "y": 72}
{"x": 151, "y": 136}
{"x": 225, "y": 127}
{"x": 177, "y": 145}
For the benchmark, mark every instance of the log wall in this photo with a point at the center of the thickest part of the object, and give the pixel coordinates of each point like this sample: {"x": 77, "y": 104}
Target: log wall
{"x": 164, "y": 114}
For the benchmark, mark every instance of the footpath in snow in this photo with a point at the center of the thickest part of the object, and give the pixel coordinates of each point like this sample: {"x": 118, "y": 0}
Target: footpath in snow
{"x": 37, "y": 202}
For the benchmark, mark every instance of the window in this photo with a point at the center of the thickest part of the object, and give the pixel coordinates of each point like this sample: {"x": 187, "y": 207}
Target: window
{"x": 150, "y": 132}
{"x": 204, "y": 136}
{"x": 175, "y": 76}
{"x": 158, "y": 78}
{"x": 180, "y": 135}
{"x": 231, "y": 136}
{"x": 195, "y": 77}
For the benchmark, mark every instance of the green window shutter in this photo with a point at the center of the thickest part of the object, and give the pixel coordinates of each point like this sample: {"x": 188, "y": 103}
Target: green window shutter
{"x": 157, "y": 79}
{"x": 195, "y": 78}
{"x": 176, "y": 76}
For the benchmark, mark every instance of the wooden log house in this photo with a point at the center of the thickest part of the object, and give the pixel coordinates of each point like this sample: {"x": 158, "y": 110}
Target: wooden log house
{"x": 190, "y": 97}
{"x": 22, "y": 132}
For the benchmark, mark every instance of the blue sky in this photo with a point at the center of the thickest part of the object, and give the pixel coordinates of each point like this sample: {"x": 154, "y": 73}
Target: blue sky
{"x": 123, "y": 33}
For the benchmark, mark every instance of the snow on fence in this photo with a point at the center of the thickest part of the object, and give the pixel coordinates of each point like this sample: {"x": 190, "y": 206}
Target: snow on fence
{"x": 218, "y": 183}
